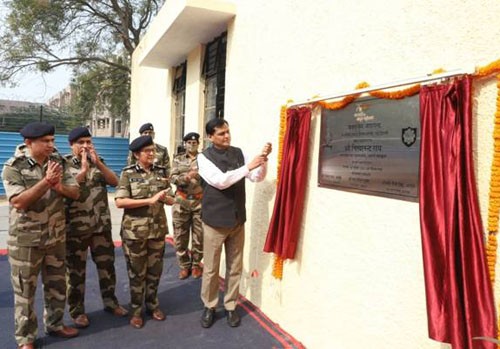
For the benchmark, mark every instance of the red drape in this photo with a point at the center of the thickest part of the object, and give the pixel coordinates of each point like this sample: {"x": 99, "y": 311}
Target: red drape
{"x": 460, "y": 302}
{"x": 284, "y": 227}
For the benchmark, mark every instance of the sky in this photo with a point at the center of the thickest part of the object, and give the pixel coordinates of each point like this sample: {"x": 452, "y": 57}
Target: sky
{"x": 34, "y": 87}
{"x": 37, "y": 87}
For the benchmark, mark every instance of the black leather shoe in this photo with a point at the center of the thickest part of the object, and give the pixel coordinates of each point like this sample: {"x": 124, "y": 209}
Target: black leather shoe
{"x": 207, "y": 318}
{"x": 233, "y": 319}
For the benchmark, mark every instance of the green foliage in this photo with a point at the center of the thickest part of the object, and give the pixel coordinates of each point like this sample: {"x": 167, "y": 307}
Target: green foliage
{"x": 95, "y": 37}
{"x": 101, "y": 88}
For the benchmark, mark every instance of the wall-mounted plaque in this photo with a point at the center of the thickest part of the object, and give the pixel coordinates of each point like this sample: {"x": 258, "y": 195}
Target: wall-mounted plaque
{"x": 372, "y": 147}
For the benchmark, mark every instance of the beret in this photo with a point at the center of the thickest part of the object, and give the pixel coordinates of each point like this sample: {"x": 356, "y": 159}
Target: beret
{"x": 37, "y": 129}
{"x": 140, "y": 142}
{"x": 77, "y": 133}
{"x": 191, "y": 136}
{"x": 146, "y": 127}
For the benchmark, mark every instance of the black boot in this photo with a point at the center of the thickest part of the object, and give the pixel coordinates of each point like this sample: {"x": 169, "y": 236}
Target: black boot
{"x": 207, "y": 318}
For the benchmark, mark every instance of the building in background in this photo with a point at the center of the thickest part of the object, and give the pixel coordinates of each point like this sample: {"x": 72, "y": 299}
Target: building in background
{"x": 101, "y": 123}
{"x": 8, "y": 107}
{"x": 15, "y": 114}
{"x": 358, "y": 274}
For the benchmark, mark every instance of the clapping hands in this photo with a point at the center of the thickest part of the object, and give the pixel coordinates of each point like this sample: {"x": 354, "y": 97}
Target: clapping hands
{"x": 53, "y": 174}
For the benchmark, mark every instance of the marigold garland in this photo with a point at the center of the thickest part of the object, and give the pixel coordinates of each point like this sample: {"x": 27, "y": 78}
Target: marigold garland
{"x": 399, "y": 94}
{"x": 490, "y": 69}
{"x": 278, "y": 267}
{"x": 407, "y": 92}
{"x": 344, "y": 102}
{"x": 494, "y": 192}
{"x": 278, "y": 261}
{"x": 281, "y": 139}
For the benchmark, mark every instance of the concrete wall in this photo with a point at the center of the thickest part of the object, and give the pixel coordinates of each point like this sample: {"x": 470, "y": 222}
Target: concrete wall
{"x": 357, "y": 280}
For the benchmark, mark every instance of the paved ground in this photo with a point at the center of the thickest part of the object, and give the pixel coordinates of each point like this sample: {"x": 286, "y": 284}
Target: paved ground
{"x": 180, "y": 299}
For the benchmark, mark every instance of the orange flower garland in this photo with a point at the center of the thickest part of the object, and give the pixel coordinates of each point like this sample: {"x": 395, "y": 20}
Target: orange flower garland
{"x": 492, "y": 68}
{"x": 344, "y": 102}
{"x": 278, "y": 267}
{"x": 281, "y": 139}
{"x": 399, "y": 94}
{"x": 494, "y": 193}
{"x": 407, "y": 92}
{"x": 278, "y": 261}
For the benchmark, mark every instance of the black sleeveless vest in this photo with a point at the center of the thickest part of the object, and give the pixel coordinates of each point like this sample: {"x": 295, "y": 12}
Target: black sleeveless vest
{"x": 224, "y": 208}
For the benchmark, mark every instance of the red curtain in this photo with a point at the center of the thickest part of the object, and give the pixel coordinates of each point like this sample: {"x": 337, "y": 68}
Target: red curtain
{"x": 460, "y": 303}
{"x": 283, "y": 233}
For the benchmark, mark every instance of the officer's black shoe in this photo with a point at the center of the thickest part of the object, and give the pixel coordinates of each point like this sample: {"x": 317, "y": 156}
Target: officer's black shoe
{"x": 207, "y": 318}
{"x": 233, "y": 319}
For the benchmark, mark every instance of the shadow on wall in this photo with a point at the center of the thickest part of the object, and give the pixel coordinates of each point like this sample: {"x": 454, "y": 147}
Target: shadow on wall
{"x": 259, "y": 261}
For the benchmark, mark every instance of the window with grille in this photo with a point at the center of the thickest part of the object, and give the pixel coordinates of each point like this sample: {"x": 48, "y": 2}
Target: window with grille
{"x": 214, "y": 72}
{"x": 179, "y": 95}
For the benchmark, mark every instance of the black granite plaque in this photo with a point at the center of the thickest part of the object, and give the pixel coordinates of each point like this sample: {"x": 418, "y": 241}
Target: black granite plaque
{"x": 372, "y": 147}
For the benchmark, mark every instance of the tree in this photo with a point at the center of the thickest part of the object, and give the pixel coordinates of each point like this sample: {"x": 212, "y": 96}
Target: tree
{"x": 100, "y": 89}
{"x": 92, "y": 36}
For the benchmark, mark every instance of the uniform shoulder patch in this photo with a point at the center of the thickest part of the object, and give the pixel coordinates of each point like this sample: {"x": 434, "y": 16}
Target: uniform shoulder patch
{"x": 12, "y": 160}
{"x": 159, "y": 146}
{"x": 129, "y": 167}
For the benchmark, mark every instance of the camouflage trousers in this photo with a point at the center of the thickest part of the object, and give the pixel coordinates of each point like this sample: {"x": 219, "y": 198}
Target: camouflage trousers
{"x": 145, "y": 266}
{"x": 102, "y": 251}
{"x": 186, "y": 219}
{"x": 26, "y": 264}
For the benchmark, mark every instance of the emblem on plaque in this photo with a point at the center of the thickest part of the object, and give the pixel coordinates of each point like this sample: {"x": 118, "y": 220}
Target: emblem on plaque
{"x": 409, "y": 136}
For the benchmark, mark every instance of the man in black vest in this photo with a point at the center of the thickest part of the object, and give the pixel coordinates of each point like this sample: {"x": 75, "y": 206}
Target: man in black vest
{"x": 223, "y": 169}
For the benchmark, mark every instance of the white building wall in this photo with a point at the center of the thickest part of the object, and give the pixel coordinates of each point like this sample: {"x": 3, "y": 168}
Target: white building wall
{"x": 357, "y": 280}
{"x": 151, "y": 102}
{"x": 194, "y": 92}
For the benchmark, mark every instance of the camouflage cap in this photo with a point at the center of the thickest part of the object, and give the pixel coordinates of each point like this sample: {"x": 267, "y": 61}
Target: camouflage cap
{"x": 77, "y": 133}
{"x": 36, "y": 130}
{"x": 140, "y": 142}
{"x": 191, "y": 136}
{"x": 146, "y": 127}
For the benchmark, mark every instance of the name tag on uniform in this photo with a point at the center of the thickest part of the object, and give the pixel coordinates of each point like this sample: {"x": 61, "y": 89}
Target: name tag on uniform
{"x": 138, "y": 180}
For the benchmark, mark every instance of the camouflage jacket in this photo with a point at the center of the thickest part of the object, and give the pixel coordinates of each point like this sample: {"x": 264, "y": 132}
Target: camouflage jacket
{"x": 181, "y": 165}
{"x": 145, "y": 222}
{"x": 90, "y": 213}
{"x": 43, "y": 223}
{"x": 161, "y": 158}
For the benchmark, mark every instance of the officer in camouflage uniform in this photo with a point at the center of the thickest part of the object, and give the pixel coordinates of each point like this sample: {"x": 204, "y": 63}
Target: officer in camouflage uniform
{"x": 89, "y": 227}
{"x": 36, "y": 180}
{"x": 142, "y": 191}
{"x": 161, "y": 152}
{"x": 186, "y": 211}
